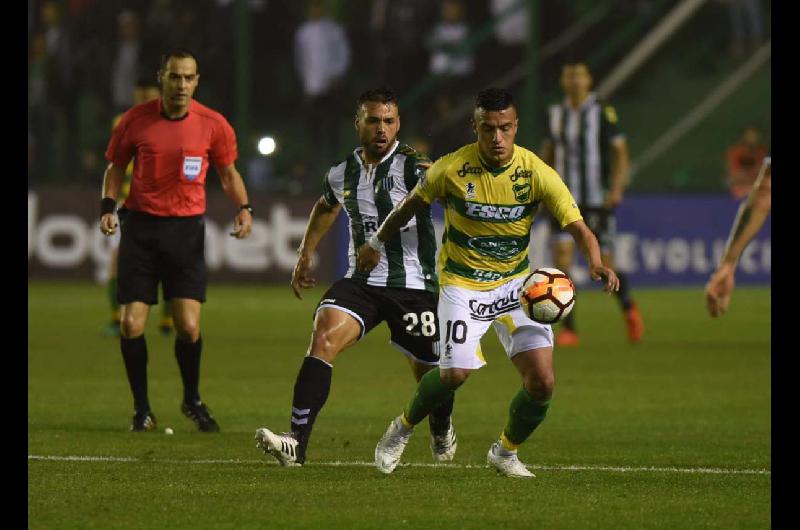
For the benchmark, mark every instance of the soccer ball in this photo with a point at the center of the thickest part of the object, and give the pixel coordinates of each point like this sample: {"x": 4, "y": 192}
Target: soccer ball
{"x": 547, "y": 295}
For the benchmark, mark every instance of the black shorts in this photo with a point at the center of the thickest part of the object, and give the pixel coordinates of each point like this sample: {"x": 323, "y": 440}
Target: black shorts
{"x": 409, "y": 313}
{"x": 601, "y": 221}
{"x": 170, "y": 250}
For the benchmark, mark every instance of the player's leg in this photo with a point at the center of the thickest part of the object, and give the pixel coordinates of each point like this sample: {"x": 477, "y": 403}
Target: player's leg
{"x": 184, "y": 280}
{"x": 529, "y": 345}
{"x": 133, "y": 318}
{"x": 527, "y": 410}
{"x": 137, "y": 284}
{"x": 112, "y": 330}
{"x": 563, "y": 248}
{"x": 412, "y": 318}
{"x": 345, "y": 313}
{"x": 459, "y": 342}
{"x": 606, "y": 235}
{"x": 188, "y": 350}
{"x": 334, "y": 331}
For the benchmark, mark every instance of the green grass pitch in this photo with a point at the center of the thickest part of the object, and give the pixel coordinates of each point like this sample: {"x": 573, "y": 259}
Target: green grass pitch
{"x": 671, "y": 433}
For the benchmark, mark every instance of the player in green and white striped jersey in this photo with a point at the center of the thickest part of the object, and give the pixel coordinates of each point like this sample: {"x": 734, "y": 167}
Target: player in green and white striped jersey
{"x": 402, "y": 290}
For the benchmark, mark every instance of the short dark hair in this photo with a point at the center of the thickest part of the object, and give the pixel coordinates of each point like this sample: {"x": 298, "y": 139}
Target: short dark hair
{"x": 571, "y": 62}
{"x": 177, "y": 53}
{"x": 494, "y": 99}
{"x": 377, "y": 95}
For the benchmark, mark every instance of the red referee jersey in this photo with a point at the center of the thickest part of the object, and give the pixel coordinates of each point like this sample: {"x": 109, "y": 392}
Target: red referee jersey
{"x": 171, "y": 156}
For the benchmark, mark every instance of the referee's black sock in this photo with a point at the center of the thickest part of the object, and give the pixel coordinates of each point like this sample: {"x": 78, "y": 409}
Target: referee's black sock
{"x": 624, "y": 293}
{"x": 188, "y": 356}
{"x": 439, "y": 418}
{"x": 134, "y": 353}
{"x": 311, "y": 390}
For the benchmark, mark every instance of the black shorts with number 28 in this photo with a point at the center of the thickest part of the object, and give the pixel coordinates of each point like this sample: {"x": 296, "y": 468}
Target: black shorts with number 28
{"x": 153, "y": 249}
{"x": 409, "y": 313}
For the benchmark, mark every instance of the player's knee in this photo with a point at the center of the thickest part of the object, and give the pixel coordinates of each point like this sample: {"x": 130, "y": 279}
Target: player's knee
{"x": 188, "y": 329}
{"x": 131, "y": 327}
{"x": 325, "y": 345}
{"x": 540, "y": 387}
{"x": 453, "y": 379}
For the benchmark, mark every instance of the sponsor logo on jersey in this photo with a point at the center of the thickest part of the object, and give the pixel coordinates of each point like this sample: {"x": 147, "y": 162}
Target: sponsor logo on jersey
{"x": 479, "y": 211}
{"x": 501, "y": 248}
{"x": 522, "y": 191}
{"x": 520, "y": 173}
{"x": 386, "y": 183}
{"x": 490, "y": 311}
{"x": 470, "y": 194}
{"x": 467, "y": 170}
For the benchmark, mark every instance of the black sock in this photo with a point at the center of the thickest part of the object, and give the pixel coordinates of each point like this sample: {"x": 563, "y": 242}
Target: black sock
{"x": 188, "y": 357}
{"x": 134, "y": 353}
{"x": 310, "y": 393}
{"x": 624, "y": 294}
{"x": 439, "y": 418}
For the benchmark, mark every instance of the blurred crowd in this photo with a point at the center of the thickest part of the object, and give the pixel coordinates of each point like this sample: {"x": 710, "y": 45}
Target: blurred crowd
{"x": 306, "y": 62}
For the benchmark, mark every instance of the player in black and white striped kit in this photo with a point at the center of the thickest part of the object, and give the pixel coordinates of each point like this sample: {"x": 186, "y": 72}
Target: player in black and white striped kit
{"x": 587, "y": 148}
{"x": 402, "y": 290}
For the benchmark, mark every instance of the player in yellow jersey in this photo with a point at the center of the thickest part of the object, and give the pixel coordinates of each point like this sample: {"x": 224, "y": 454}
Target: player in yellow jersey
{"x": 145, "y": 90}
{"x": 491, "y": 191}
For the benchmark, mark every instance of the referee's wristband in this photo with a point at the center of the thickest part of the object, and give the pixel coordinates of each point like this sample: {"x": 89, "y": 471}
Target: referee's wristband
{"x": 247, "y": 207}
{"x": 107, "y": 205}
{"x": 375, "y": 243}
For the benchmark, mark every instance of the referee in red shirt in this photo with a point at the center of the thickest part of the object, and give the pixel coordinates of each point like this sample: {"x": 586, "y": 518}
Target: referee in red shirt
{"x": 172, "y": 140}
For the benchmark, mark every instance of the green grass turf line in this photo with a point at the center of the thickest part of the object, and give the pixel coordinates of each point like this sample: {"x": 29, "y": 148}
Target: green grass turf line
{"x": 694, "y": 394}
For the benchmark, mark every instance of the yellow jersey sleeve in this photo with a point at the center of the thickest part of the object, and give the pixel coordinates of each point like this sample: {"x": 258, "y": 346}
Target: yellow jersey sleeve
{"x": 555, "y": 195}
{"x": 431, "y": 184}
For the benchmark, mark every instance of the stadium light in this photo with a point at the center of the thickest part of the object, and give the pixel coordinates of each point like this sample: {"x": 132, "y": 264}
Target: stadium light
{"x": 267, "y": 145}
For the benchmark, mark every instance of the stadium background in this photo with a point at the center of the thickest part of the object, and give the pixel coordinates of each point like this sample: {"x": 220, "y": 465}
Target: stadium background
{"x": 690, "y": 89}
{"x": 674, "y": 432}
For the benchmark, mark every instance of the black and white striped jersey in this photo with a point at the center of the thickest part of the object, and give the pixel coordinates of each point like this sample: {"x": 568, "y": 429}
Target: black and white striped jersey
{"x": 368, "y": 194}
{"x": 582, "y": 141}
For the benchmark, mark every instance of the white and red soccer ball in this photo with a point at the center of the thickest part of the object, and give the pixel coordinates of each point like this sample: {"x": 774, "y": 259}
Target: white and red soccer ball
{"x": 547, "y": 295}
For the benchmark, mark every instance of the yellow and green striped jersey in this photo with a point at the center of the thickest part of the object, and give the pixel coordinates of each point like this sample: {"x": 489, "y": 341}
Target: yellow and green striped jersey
{"x": 489, "y": 212}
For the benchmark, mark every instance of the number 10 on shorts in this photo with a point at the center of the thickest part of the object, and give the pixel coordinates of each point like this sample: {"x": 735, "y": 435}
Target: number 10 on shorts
{"x": 457, "y": 330}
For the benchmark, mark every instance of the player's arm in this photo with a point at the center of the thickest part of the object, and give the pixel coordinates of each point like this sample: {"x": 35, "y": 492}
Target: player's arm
{"x": 113, "y": 178}
{"x": 554, "y": 193}
{"x": 369, "y": 254}
{"x": 233, "y": 186}
{"x": 749, "y": 220}
{"x": 620, "y": 163}
{"x": 587, "y": 243}
{"x": 323, "y": 215}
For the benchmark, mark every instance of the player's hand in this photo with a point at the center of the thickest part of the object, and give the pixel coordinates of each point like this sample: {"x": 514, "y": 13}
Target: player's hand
{"x": 367, "y": 258}
{"x": 608, "y": 276}
{"x": 613, "y": 199}
{"x": 300, "y": 275}
{"x": 719, "y": 289}
{"x": 108, "y": 224}
{"x": 242, "y": 224}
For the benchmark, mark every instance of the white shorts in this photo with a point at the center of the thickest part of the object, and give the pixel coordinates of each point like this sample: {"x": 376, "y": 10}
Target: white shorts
{"x": 465, "y": 316}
